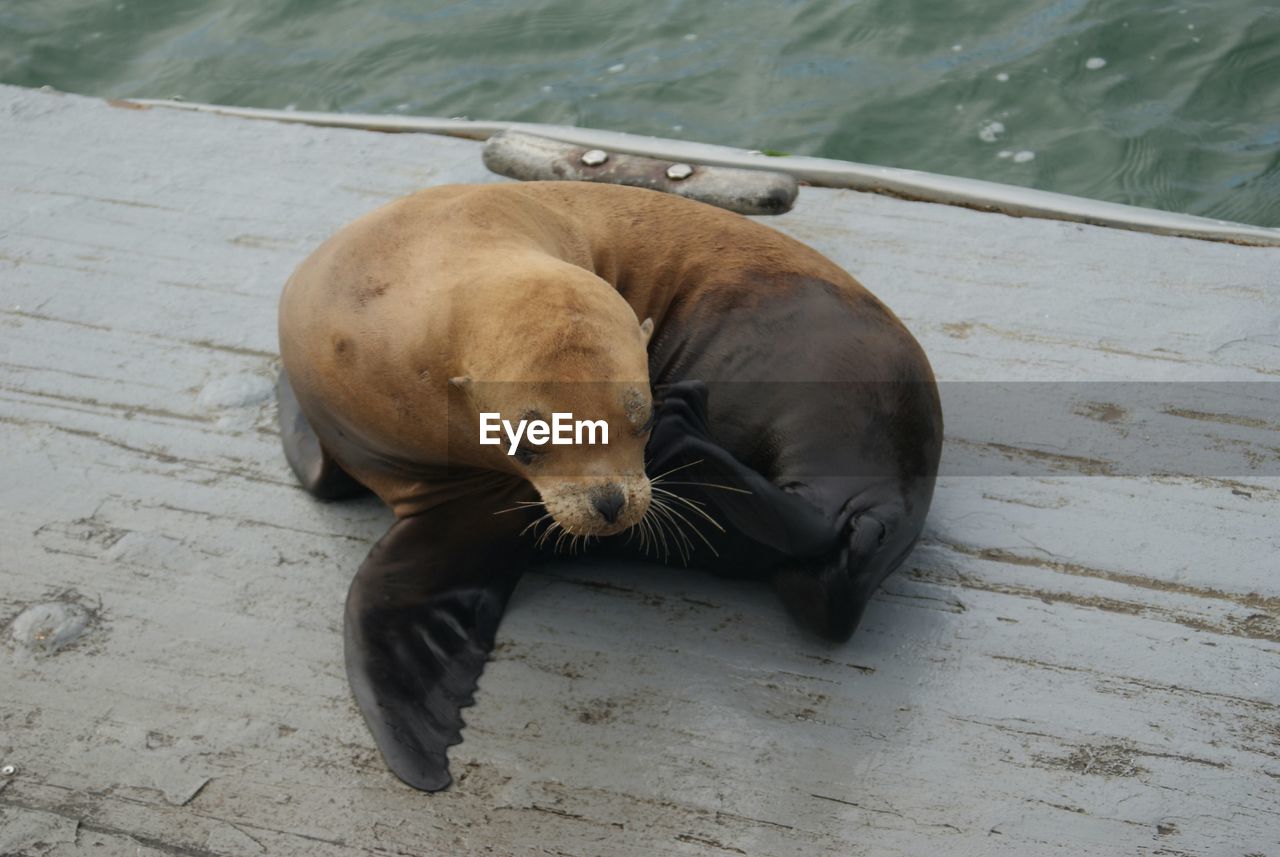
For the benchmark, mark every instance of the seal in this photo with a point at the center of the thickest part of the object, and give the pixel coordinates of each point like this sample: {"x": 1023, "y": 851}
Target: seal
{"x": 768, "y": 418}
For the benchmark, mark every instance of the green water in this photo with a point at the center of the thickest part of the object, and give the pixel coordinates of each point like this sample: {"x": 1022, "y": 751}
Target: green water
{"x": 1167, "y": 105}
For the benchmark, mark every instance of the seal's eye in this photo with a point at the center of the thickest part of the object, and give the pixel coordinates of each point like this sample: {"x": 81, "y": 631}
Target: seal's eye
{"x": 526, "y": 455}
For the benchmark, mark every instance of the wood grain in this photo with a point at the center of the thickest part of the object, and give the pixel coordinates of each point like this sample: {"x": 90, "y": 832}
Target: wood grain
{"x": 1069, "y": 664}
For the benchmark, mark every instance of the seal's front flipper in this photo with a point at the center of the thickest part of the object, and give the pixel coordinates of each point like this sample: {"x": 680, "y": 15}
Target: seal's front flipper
{"x": 319, "y": 474}
{"x": 421, "y": 618}
{"x": 682, "y": 451}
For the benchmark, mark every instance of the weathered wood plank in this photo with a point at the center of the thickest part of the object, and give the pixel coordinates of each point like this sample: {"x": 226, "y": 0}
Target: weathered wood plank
{"x": 1068, "y": 664}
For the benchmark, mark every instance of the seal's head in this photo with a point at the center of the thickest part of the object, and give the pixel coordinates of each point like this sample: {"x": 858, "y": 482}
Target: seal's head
{"x": 566, "y": 404}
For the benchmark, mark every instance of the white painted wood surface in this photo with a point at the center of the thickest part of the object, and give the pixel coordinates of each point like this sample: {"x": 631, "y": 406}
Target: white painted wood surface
{"x": 1070, "y": 664}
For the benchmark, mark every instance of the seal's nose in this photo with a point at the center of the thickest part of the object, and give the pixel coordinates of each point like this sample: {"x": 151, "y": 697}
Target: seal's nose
{"x": 609, "y": 503}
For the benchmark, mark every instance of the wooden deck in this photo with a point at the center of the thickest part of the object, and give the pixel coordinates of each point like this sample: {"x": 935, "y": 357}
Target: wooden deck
{"x": 1072, "y": 663}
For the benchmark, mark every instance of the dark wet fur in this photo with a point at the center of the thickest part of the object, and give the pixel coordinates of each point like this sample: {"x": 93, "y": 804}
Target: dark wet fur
{"x": 816, "y": 403}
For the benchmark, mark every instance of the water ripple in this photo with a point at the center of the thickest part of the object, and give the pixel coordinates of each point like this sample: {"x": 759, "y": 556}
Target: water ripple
{"x": 1170, "y": 104}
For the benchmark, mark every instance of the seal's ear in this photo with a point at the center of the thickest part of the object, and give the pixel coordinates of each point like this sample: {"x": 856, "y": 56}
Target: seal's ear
{"x": 646, "y": 330}
{"x": 464, "y": 384}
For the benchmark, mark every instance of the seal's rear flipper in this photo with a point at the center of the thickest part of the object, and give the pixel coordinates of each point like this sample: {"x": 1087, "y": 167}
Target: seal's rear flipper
{"x": 421, "y": 618}
{"x": 830, "y": 564}
{"x": 828, "y": 596}
{"x": 319, "y": 474}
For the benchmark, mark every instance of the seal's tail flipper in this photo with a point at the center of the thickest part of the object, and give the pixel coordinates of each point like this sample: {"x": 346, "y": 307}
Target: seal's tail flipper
{"x": 319, "y": 474}
{"x": 421, "y": 618}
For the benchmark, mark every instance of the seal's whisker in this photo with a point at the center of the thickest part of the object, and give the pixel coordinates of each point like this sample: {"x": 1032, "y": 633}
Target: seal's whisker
{"x": 555, "y": 525}
{"x": 662, "y": 536}
{"x": 706, "y": 485}
{"x": 691, "y": 505}
{"x": 687, "y": 499}
{"x": 535, "y": 523}
{"x": 697, "y": 531}
{"x": 534, "y": 526}
{"x": 688, "y": 542}
{"x": 683, "y": 545}
{"x": 649, "y": 541}
{"x": 676, "y": 524}
{"x": 679, "y": 538}
{"x": 674, "y": 470}
{"x": 560, "y": 538}
{"x": 520, "y": 504}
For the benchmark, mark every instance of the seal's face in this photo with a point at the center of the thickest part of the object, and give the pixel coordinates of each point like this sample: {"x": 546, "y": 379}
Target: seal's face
{"x": 579, "y": 438}
{"x": 595, "y": 489}
{"x": 580, "y": 444}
